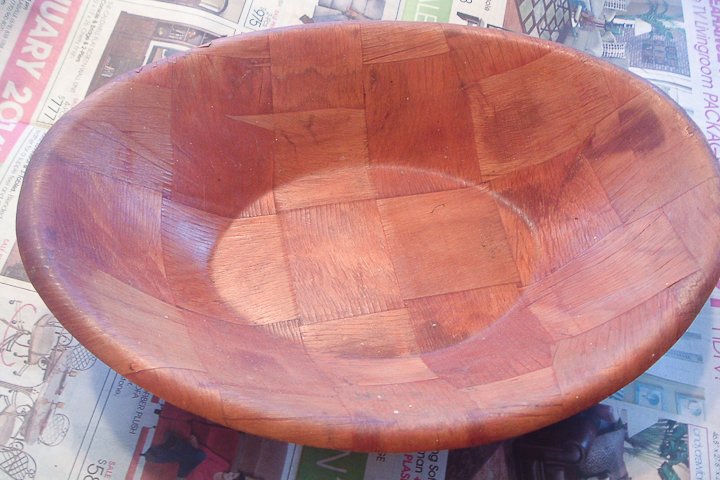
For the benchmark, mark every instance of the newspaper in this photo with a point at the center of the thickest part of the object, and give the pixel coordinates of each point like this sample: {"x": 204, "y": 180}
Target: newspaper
{"x": 64, "y": 414}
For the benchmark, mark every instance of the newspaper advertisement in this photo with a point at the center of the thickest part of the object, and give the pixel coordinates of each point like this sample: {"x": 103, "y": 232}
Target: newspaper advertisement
{"x": 64, "y": 414}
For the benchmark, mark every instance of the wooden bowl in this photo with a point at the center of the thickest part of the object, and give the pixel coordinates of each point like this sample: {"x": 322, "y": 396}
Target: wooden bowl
{"x": 375, "y": 236}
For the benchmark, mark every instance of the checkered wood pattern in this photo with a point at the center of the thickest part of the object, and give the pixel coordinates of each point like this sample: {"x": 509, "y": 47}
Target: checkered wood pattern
{"x": 380, "y": 237}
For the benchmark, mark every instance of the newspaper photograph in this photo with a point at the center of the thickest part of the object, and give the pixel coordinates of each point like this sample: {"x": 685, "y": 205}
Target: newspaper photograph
{"x": 65, "y": 415}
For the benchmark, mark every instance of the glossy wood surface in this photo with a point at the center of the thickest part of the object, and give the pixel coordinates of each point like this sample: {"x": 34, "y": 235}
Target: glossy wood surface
{"x": 375, "y": 236}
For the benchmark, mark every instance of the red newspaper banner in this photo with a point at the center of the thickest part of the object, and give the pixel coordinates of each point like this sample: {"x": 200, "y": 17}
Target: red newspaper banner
{"x": 31, "y": 64}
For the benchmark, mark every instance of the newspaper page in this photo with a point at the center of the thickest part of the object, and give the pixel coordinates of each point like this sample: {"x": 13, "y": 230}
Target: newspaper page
{"x": 63, "y": 414}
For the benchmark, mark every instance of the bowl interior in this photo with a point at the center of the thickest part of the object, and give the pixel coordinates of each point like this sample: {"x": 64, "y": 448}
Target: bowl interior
{"x": 375, "y": 236}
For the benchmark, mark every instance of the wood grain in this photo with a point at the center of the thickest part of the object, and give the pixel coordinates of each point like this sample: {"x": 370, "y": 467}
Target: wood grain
{"x": 447, "y": 241}
{"x": 402, "y": 99}
{"x": 320, "y": 156}
{"x": 375, "y": 236}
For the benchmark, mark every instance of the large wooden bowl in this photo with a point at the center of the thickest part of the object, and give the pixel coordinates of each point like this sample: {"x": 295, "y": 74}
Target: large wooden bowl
{"x": 379, "y": 237}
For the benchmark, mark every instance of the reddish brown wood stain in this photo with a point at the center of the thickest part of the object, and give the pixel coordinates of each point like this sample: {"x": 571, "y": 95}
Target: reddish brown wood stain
{"x": 383, "y": 237}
